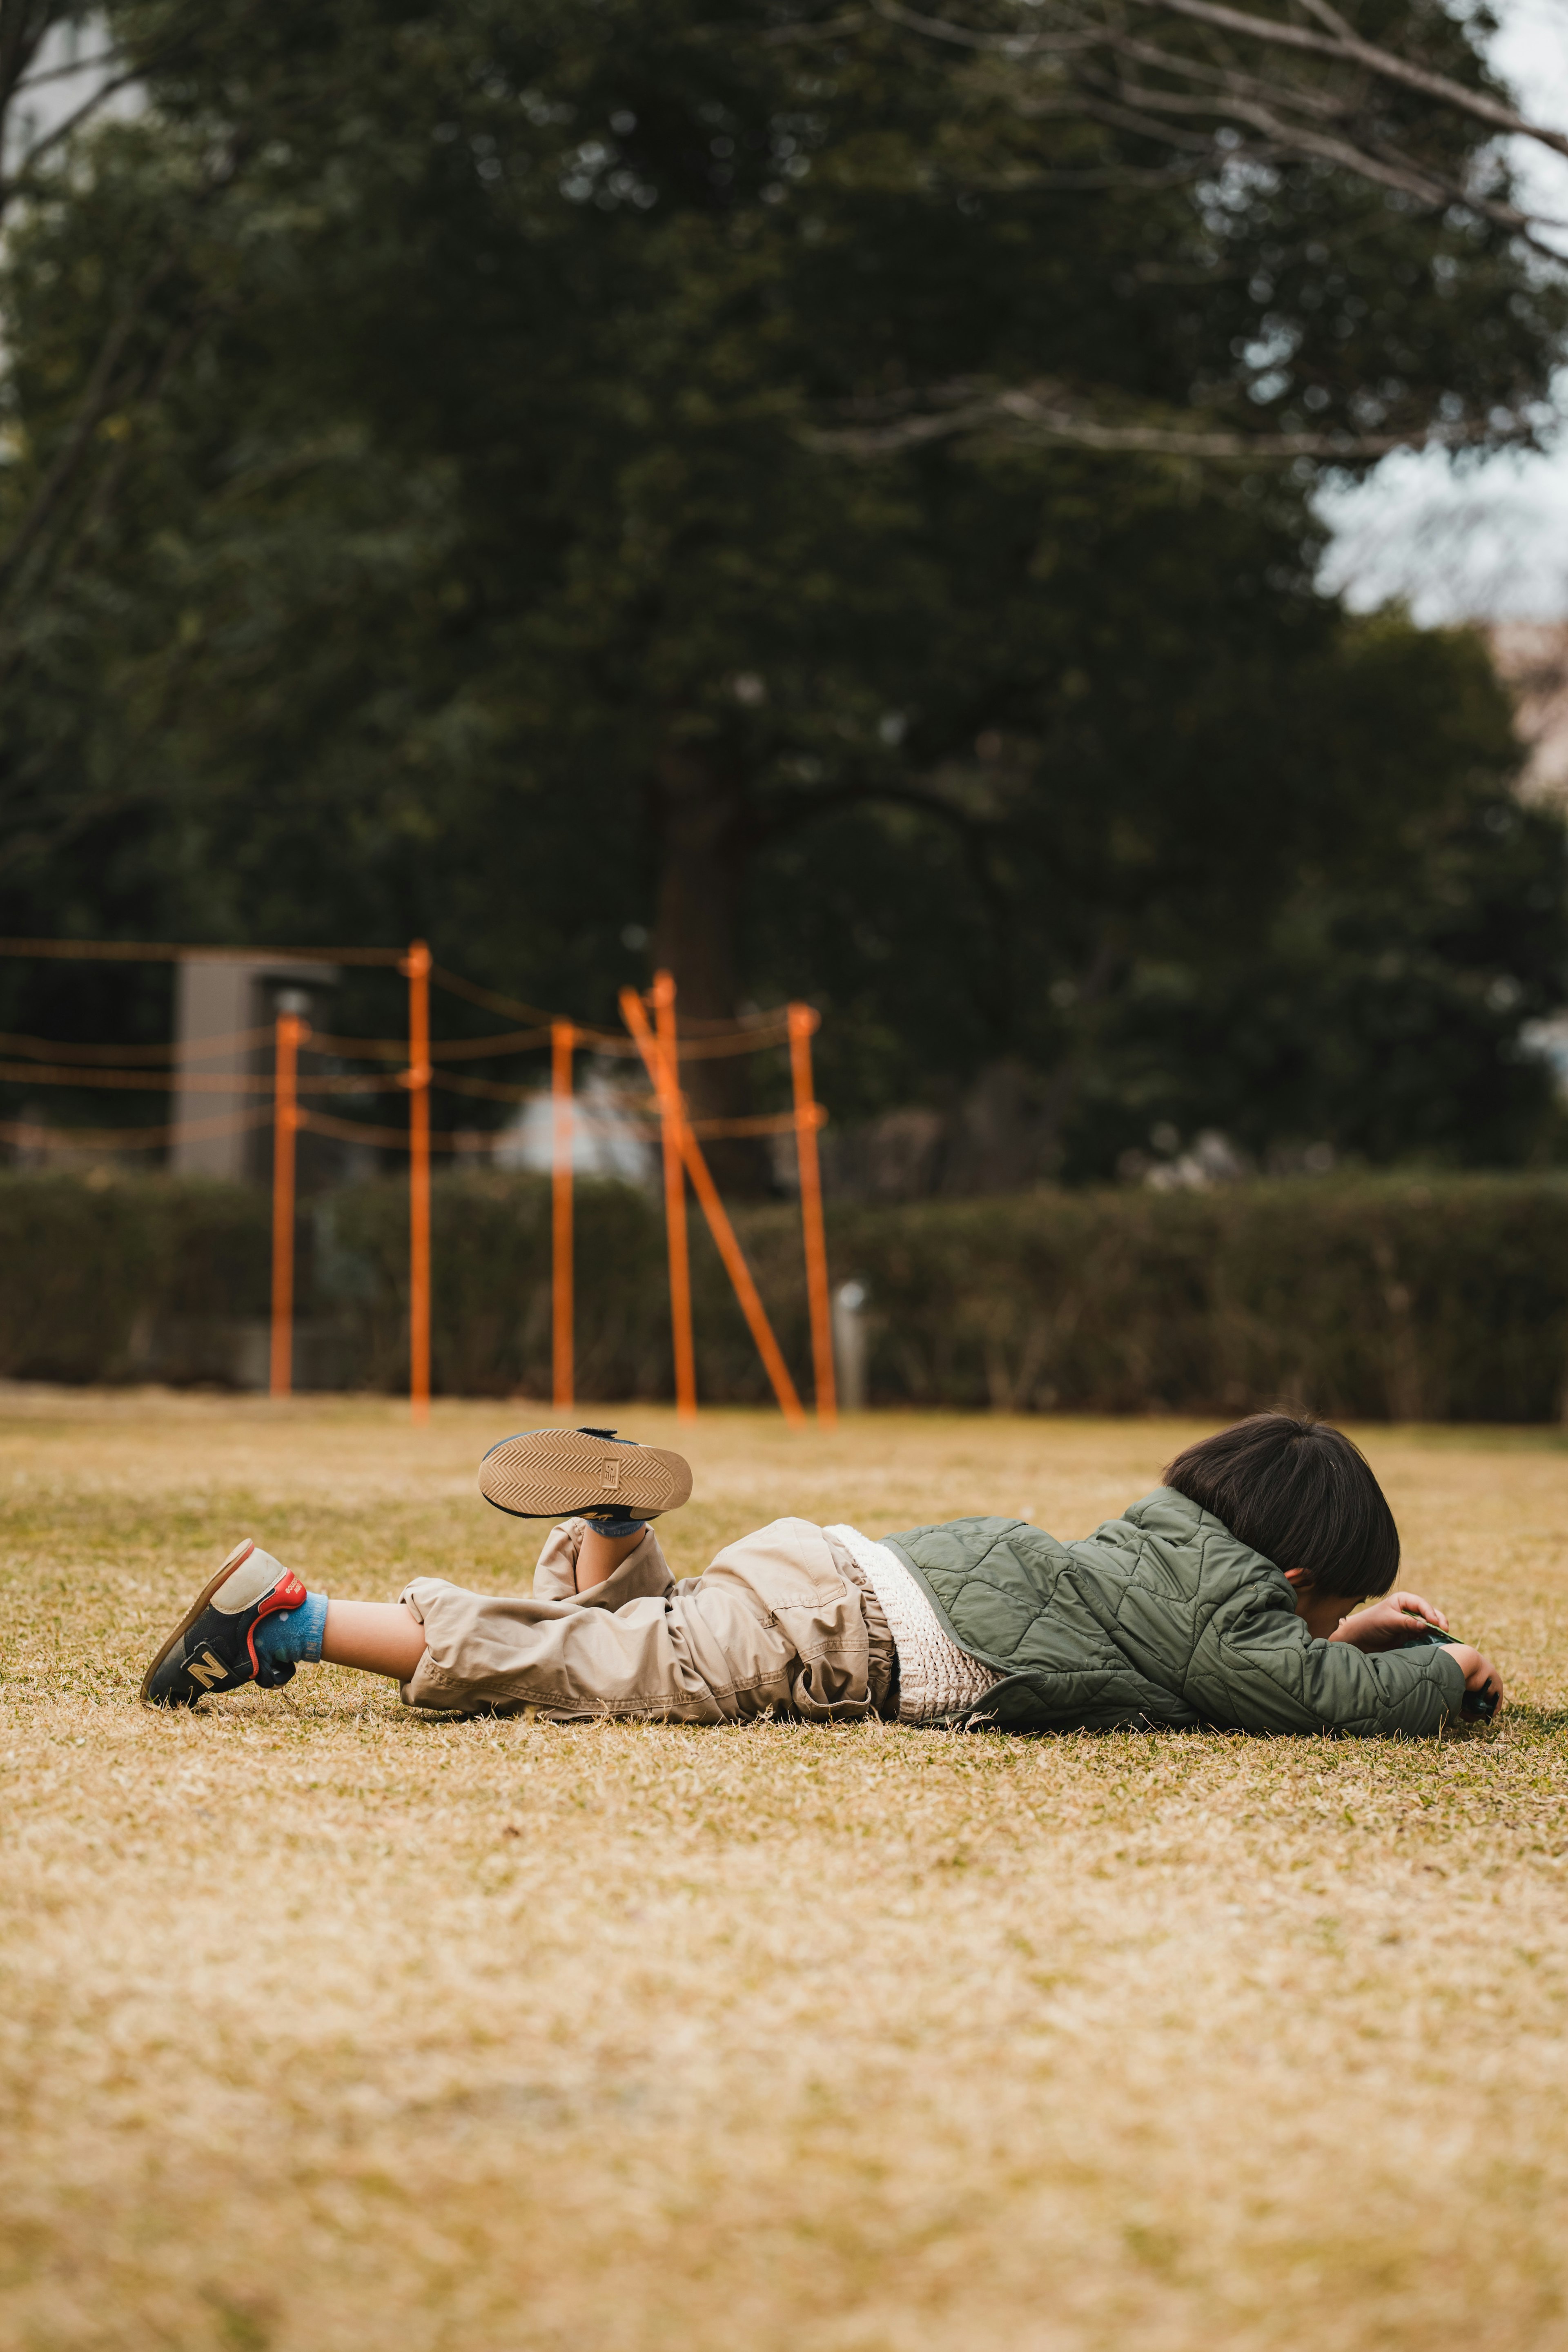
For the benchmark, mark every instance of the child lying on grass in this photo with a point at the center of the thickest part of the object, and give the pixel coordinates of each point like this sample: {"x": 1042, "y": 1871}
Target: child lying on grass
{"x": 1222, "y": 1598}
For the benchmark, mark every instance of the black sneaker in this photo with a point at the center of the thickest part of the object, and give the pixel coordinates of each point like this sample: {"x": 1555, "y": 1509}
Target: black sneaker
{"x": 213, "y": 1647}
{"x": 553, "y": 1473}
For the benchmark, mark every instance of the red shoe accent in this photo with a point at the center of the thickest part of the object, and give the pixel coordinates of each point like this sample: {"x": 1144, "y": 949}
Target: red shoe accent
{"x": 287, "y": 1593}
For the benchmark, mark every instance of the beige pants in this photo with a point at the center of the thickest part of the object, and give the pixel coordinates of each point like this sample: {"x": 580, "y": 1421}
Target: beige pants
{"x": 783, "y": 1622}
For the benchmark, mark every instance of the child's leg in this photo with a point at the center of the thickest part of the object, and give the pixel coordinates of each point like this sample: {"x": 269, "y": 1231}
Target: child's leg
{"x": 383, "y": 1637}
{"x": 776, "y": 1625}
{"x": 599, "y": 1556}
{"x": 379, "y": 1637}
{"x": 255, "y": 1622}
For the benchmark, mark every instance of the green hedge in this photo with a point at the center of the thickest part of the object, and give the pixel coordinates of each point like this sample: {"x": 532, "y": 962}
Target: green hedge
{"x": 1436, "y": 1299}
{"x": 1442, "y": 1299}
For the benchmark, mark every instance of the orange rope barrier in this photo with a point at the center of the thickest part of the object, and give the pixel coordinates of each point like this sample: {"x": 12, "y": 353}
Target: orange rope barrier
{"x": 162, "y": 1068}
{"x": 759, "y": 1040}
{"x": 292, "y": 1034}
{"x": 563, "y": 1370}
{"x": 766, "y": 1029}
{"x": 808, "y": 1117}
{"x": 485, "y": 1089}
{"x": 444, "y": 1049}
{"x": 770, "y": 1028}
{"x": 41, "y": 1074}
{"x": 457, "y": 986}
{"x": 361, "y": 1049}
{"x": 200, "y": 1082}
{"x": 660, "y": 1060}
{"x": 772, "y": 1122}
{"x": 32, "y": 1137}
{"x": 198, "y": 1049}
{"x": 171, "y": 950}
{"x": 527, "y": 1040}
{"x": 503, "y": 1041}
{"x": 396, "y": 1139}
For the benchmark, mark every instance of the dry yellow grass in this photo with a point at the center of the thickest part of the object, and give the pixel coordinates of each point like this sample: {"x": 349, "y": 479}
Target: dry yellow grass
{"x": 324, "y": 2025}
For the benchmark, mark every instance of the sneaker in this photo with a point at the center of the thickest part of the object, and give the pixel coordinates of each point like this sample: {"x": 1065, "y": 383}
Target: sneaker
{"x": 550, "y": 1474}
{"x": 213, "y": 1647}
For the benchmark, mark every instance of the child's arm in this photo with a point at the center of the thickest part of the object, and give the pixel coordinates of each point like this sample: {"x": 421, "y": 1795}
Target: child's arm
{"x": 1255, "y": 1665}
{"x": 1394, "y": 1622}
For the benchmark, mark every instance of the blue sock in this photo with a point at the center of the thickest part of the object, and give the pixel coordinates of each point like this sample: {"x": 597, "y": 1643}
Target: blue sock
{"x": 292, "y": 1637}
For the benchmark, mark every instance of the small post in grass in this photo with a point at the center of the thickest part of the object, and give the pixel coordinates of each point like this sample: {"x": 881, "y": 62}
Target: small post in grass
{"x": 290, "y": 1033}
{"x": 809, "y": 1116}
{"x": 563, "y": 1038}
{"x": 415, "y": 965}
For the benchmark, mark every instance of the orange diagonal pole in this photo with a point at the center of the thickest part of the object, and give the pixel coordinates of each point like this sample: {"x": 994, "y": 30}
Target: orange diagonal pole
{"x": 808, "y": 1117}
{"x": 289, "y": 1035}
{"x": 415, "y": 964}
{"x": 718, "y": 1224}
{"x": 663, "y": 1069}
{"x": 563, "y": 1038}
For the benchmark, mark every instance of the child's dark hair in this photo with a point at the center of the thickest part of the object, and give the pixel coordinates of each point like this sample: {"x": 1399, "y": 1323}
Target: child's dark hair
{"x": 1299, "y": 1493}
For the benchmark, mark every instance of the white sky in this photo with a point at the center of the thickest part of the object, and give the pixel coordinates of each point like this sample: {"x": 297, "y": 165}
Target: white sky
{"x": 1488, "y": 540}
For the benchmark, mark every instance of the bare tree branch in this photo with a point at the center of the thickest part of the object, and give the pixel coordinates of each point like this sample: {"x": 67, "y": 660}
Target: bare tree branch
{"x": 25, "y": 27}
{"x": 1087, "y": 32}
{"x": 1348, "y": 45}
{"x": 64, "y": 73}
{"x": 63, "y": 129}
{"x": 1040, "y": 412}
{"x": 97, "y": 398}
{"x": 1385, "y": 167}
{"x": 1094, "y": 67}
{"x": 1008, "y": 44}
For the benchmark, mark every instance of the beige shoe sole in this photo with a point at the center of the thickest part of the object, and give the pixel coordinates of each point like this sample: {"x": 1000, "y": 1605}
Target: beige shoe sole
{"x": 236, "y": 1558}
{"x": 548, "y": 1474}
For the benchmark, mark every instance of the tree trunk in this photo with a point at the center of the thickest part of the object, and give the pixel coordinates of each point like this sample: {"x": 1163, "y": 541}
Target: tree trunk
{"x": 705, "y": 842}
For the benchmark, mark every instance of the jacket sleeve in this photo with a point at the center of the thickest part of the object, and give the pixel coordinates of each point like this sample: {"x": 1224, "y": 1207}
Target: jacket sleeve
{"x": 1256, "y": 1667}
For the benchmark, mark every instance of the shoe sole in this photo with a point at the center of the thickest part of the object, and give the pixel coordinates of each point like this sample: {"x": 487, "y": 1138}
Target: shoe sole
{"x": 549, "y": 1473}
{"x": 240, "y": 1553}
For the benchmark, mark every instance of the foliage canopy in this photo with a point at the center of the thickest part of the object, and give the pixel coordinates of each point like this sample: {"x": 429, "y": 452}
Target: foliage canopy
{"x": 545, "y": 479}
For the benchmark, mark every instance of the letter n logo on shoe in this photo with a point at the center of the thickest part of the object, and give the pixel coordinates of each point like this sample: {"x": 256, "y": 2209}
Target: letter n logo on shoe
{"x": 206, "y": 1669}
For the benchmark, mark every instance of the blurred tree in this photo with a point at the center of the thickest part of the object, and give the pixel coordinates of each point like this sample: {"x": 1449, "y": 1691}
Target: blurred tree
{"x": 553, "y": 482}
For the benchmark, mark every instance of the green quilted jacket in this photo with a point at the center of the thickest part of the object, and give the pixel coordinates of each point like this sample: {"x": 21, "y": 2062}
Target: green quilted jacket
{"x": 1159, "y": 1618}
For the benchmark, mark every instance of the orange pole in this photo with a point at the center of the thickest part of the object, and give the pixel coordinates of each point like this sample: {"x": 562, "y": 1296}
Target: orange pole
{"x": 718, "y": 1224}
{"x": 563, "y": 1037}
{"x": 808, "y": 1117}
{"x": 417, "y": 1078}
{"x": 740, "y": 1274}
{"x": 291, "y": 1034}
{"x": 663, "y": 1069}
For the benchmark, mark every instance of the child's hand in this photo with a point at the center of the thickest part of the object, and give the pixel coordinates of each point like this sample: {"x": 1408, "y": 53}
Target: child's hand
{"x": 1483, "y": 1683}
{"x": 1397, "y": 1618}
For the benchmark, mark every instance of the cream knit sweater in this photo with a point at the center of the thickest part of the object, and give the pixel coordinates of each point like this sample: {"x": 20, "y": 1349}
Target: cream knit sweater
{"x": 935, "y": 1676}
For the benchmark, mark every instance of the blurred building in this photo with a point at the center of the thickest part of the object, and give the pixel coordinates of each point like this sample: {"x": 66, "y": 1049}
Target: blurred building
{"x": 225, "y": 1012}
{"x": 1532, "y": 658}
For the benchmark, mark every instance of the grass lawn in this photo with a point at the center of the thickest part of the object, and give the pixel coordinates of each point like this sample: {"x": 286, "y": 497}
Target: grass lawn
{"x": 327, "y": 2025}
